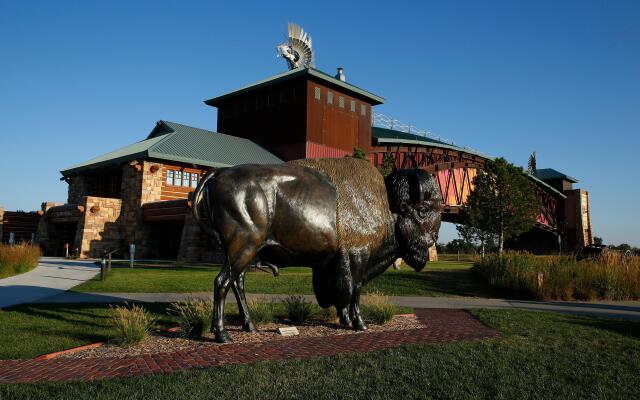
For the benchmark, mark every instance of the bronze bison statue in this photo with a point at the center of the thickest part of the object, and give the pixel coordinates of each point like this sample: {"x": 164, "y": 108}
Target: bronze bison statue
{"x": 338, "y": 216}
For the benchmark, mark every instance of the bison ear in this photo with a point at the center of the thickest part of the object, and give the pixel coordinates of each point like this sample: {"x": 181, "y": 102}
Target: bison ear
{"x": 398, "y": 191}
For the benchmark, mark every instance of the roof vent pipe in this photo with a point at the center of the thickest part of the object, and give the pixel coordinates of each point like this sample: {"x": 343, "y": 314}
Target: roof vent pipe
{"x": 340, "y": 74}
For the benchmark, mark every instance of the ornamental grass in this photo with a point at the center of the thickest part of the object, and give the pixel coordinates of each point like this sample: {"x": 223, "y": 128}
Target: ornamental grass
{"x": 378, "y": 308}
{"x": 298, "y": 309}
{"x": 261, "y": 312}
{"x": 194, "y": 316}
{"x": 18, "y": 259}
{"x": 610, "y": 276}
{"x": 131, "y": 323}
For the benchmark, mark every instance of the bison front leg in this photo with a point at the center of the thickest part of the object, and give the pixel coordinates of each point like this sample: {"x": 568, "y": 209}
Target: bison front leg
{"x": 354, "y": 311}
{"x": 243, "y": 308}
{"x": 343, "y": 314}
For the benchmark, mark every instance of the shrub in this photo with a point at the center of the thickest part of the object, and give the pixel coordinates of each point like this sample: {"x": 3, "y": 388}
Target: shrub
{"x": 194, "y": 316}
{"x": 297, "y": 308}
{"x": 18, "y": 259}
{"x": 131, "y": 323}
{"x": 610, "y": 277}
{"x": 261, "y": 313}
{"x": 328, "y": 313}
{"x": 378, "y": 308}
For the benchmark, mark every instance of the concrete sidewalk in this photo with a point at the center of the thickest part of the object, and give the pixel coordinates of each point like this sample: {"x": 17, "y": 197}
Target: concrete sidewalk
{"x": 51, "y": 277}
{"x": 610, "y": 309}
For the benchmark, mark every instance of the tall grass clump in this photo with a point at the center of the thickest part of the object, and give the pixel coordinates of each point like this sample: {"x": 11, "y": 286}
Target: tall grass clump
{"x": 18, "y": 259}
{"x": 297, "y": 308}
{"x": 194, "y": 316}
{"x": 378, "y": 308}
{"x": 610, "y": 276}
{"x": 131, "y": 323}
{"x": 261, "y": 312}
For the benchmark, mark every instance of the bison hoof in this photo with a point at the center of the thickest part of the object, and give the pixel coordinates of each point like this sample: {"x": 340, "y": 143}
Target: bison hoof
{"x": 249, "y": 327}
{"x": 359, "y": 325}
{"x": 345, "y": 321}
{"x": 222, "y": 337}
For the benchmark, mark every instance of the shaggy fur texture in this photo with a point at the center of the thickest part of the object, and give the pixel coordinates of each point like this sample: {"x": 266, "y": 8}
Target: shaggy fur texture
{"x": 363, "y": 218}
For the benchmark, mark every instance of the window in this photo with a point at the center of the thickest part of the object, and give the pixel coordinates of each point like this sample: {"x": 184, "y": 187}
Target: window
{"x": 194, "y": 180}
{"x": 187, "y": 179}
{"x": 329, "y": 98}
{"x": 353, "y": 106}
{"x": 341, "y": 101}
{"x": 178, "y": 180}
{"x": 317, "y": 93}
{"x": 169, "y": 177}
{"x": 363, "y": 109}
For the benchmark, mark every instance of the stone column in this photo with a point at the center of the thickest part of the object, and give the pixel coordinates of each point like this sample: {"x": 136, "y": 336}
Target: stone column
{"x": 433, "y": 253}
{"x": 141, "y": 183}
{"x": 98, "y": 229}
{"x": 1, "y": 222}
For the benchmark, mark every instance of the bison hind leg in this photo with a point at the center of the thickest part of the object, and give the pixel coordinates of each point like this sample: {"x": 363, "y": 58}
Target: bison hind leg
{"x": 243, "y": 307}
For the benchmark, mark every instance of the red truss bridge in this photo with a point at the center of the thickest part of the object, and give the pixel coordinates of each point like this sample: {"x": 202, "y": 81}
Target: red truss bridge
{"x": 564, "y": 211}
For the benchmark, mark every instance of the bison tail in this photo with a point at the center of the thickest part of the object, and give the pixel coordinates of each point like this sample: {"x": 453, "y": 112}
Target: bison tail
{"x": 201, "y": 190}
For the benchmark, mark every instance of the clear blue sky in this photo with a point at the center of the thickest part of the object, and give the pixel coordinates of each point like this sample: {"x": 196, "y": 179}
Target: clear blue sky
{"x": 506, "y": 78}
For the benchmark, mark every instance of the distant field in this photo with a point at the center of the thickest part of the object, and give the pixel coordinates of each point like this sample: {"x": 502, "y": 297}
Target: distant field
{"x": 441, "y": 278}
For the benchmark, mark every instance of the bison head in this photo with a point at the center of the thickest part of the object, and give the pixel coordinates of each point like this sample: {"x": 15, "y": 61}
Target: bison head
{"x": 417, "y": 204}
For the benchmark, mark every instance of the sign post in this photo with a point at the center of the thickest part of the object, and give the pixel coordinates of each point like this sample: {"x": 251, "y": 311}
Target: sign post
{"x": 132, "y": 253}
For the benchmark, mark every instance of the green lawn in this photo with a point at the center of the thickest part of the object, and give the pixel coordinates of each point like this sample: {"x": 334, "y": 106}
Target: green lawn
{"x": 444, "y": 278}
{"x": 542, "y": 356}
{"x": 27, "y": 331}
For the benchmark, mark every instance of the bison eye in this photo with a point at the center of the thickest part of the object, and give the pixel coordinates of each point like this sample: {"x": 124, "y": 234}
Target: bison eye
{"x": 423, "y": 213}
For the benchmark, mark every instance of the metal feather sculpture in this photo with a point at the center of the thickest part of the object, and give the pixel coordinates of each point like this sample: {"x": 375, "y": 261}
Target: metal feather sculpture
{"x": 297, "y": 50}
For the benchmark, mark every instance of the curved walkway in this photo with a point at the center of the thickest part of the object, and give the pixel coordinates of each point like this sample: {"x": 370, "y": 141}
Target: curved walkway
{"x": 609, "y": 309}
{"x": 440, "y": 326}
{"x": 52, "y": 276}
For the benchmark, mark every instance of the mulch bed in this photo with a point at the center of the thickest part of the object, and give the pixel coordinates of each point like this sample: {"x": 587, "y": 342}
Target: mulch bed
{"x": 167, "y": 341}
{"x": 439, "y": 326}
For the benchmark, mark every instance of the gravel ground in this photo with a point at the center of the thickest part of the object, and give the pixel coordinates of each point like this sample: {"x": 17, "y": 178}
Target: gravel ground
{"x": 165, "y": 342}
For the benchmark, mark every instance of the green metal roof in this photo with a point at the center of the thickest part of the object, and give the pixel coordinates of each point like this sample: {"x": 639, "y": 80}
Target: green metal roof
{"x": 383, "y": 136}
{"x": 294, "y": 73}
{"x": 547, "y": 174}
{"x": 176, "y": 142}
{"x": 545, "y": 184}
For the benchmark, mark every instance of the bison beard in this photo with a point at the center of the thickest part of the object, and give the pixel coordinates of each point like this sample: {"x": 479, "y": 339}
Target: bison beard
{"x": 415, "y": 251}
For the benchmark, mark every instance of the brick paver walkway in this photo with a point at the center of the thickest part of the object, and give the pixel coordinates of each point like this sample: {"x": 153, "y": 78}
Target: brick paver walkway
{"x": 441, "y": 326}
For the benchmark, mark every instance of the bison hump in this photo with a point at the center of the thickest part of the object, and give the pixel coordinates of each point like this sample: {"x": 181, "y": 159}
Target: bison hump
{"x": 363, "y": 218}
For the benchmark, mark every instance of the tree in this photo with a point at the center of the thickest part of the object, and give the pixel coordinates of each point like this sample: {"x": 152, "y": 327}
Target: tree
{"x": 503, "y": 201}
{"x": 476, "y": 237}
{"x": 359, "y": 153}
{"x": 387, "y": 166}
{"x": 597, "y": 241}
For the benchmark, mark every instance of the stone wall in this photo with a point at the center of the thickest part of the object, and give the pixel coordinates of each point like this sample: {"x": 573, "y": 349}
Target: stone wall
{"x": 99, "y": 229}
{"x": 46, "y": 230}
{"x": 196, "y": 245}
